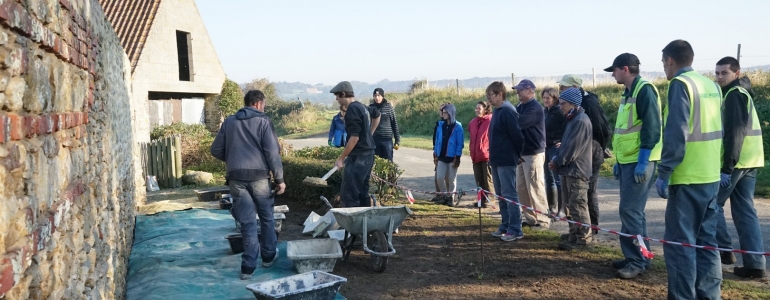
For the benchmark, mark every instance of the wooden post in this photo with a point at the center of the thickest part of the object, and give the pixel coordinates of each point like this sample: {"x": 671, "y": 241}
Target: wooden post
{"x": 513, "y": 79}
{"x": 593, "y": 70}
{"x": 457, "y": 83}
{"x": 739, "y": 54}
{"x": 178, "y": 143}
{"x": 171, "y": 168}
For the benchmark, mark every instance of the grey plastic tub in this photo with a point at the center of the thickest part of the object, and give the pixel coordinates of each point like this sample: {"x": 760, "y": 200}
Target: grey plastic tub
{"x": 315, "y": 254}
{"x": 310, "y": 285}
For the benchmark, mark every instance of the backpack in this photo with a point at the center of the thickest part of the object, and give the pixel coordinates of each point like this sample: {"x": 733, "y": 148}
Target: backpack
{"x": 602, "y": 131}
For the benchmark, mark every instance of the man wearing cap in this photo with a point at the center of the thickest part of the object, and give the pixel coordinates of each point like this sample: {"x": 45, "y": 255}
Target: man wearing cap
{"x": 688, "y": 176}
{"x": 743, "y": 154}
{"x": 637, "y": 145}
{"x": 601, "y": 135}
{"x": 360, "y": 122}
{"x": 387, "y": 130}
{"x": 530, "y": 180}
{"x": 573, "y": 162}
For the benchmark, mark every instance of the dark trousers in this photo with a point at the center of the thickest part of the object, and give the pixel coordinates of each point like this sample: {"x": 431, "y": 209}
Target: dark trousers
{"x": 355, "y": 180}
{"x": 482, "y": 173}
{"x": 593, "y": 198}
{"x": 252, "y": 199}
{"x": 384, "y": 148}
{"x": 577, "y": 193}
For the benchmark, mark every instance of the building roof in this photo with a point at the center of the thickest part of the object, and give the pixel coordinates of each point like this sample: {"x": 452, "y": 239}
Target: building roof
{"x": 131, "y": 21}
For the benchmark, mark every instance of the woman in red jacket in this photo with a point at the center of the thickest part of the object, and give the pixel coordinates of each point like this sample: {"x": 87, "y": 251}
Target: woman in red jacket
{"x": 479, "y": 146}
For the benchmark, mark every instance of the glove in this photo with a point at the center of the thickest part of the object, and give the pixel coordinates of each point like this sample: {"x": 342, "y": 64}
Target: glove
{"x": 395, "y": 147}
{"x": 330, "y": 144}
{"x": 435, "y": 159}
{"x": 662, "y": 187}
{"x": 456, "y": 162}
{"x": 640, "y": 172}
{"x": 724, "y": 180}
{"x": 616, "y": 171}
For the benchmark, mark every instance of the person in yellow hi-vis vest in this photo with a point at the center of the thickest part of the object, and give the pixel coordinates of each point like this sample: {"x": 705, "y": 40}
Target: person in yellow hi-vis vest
{"x": 743, "y": 154}
{"x": 688, "y": 176}
{"x": 637, "y": 146}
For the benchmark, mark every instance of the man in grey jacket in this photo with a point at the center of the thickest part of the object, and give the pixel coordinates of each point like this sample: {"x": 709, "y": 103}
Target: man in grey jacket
{"x": 573, "y": 161}
{"x": 248, "y": 145}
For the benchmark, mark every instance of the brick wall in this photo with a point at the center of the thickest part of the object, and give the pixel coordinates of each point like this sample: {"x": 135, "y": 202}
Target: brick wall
{"x": 68, "y": 181}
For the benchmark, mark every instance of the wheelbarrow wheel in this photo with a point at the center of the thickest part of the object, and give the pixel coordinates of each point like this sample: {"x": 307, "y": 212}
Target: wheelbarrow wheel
{"x": 378, "y": 242}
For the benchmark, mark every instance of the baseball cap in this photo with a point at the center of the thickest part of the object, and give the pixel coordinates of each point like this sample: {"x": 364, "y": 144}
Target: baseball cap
{"x": 342, "y": 87}
{"x": 524, "y": 84}
{"x": 623, "y": 60}
{"x": 570, "y": 80}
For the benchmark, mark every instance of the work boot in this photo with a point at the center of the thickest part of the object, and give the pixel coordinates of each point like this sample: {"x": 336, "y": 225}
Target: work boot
{"x": 728, "y": 258}
{"x": 438, "y": 198}
{"x": 629, "y": 272}
{"x": 748, "y": 273}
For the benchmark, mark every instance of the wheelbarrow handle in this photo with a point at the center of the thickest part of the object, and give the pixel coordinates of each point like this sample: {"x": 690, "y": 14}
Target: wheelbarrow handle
{"x": 327, "y": 202}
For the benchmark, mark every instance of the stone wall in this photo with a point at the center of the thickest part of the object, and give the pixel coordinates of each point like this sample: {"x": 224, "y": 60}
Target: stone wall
{"x": 68, "y": 181}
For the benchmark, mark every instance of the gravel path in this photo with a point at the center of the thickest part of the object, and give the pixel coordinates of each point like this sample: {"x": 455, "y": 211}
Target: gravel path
{"x": 418, "y": 174}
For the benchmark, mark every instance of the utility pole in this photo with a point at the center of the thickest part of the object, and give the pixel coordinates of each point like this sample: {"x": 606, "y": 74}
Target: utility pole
{"x": 457, "y": 81}
{"x": 593, "y": 70}
{"x": 513, "y": 79}
{"x": 739, "y": 54}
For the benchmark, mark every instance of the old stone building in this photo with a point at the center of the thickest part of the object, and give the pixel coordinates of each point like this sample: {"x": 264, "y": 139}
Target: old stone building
{"x": 174, "y": 67}
{"x": 68, "y": 173}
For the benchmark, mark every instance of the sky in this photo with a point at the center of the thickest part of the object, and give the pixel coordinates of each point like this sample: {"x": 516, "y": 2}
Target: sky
{"x": 330, "y": 41}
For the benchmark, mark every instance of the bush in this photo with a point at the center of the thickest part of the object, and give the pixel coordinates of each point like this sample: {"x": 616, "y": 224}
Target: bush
{"x": 231, "y": 98}
{"x": 196, "y": 141}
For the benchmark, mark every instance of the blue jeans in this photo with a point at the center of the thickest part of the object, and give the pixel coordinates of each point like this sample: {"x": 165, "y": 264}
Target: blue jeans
{"x": 504, "y": 179}
{"x": 633, "y": 200}
{"x": 252, "y": 199}
{"x": 741, "y": 194}
{"x": 384, "y": 148}
{"x": 552, "y": 180}
{"x": 355, "y": 180}
{"x": 691, "y": 217}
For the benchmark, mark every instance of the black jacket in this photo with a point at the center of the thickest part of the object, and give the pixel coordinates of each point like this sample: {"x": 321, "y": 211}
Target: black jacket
{"x": 388, "y": 128}
{"x": 602, "y": 132}
{"x": 735, "y": 119}
{"x": 554, "y": 125}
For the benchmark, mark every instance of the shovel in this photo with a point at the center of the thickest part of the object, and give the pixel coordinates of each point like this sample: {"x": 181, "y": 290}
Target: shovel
{"x": 319, "y": 182}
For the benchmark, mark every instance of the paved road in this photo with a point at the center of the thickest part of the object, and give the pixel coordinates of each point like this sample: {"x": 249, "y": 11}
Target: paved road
{"x": 418, "y": 174}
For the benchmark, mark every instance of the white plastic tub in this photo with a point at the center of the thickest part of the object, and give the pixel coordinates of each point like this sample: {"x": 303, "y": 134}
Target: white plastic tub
{"x": 310, "y": 285}
{"x": 315, "y": 254}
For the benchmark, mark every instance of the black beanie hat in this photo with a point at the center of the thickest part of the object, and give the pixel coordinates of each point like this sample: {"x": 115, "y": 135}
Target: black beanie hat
{"x": 379, "y": 90}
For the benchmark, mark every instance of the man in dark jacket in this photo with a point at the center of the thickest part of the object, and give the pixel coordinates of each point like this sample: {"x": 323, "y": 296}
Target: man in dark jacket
{"x": 360, "y": 122}
{"x": 505, "y": 146}
{"x": 248, "y": 145}
{"x": 530, "y": 180}
{"x": 388, "y": 128}
{"x": 574, "y": 163}
{"x": 743, "y": 154}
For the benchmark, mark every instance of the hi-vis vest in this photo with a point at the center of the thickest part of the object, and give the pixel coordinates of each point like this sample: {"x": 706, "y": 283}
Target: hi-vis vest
{"x": 627, "y": 138}
{"x": 752, "y": 152}
{"x": 703, "y": 144}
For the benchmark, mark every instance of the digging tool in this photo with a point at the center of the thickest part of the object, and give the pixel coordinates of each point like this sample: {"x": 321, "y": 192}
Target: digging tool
{"x": 319, "y": 182}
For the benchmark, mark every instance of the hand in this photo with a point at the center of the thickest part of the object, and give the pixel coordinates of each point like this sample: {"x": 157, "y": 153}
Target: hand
{"x": 395, "y": 147}
{"x": 551, "y": 165}
{"x": 662, "y": 187}
{"x": 330, "y": 143}
{"x": 558, "y": 144}
{"x": 640, "y": 173}
{"x": 521, "y": 160}
{"x": 281, "y": 188}
{"x": 456, "y": 162}
{"x": 435, "y": 159}
{"x": 724, "y": 180}
{"x": 339, "y": 163}
{"x": 616, "y": 171}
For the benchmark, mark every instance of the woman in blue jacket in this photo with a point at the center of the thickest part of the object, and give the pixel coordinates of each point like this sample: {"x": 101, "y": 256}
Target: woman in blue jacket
{"x": 337, "y": 134}
{"x": 447, "y": 149}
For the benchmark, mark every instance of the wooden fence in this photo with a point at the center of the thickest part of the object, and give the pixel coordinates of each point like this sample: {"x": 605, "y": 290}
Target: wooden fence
{"x": 162, "y": 158}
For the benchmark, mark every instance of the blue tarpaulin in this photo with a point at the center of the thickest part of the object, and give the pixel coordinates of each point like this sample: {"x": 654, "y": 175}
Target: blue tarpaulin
{"x": 184, "y": 255}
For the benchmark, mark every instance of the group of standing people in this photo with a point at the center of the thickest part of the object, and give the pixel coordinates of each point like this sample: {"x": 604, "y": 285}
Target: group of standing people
{"x": 706, "y": 146}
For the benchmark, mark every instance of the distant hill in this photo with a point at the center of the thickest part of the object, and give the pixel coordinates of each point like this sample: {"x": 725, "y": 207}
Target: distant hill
{"x": 319, "y": 93}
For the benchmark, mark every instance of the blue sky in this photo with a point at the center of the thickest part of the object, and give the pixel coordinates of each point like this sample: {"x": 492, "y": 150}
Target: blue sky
{"x": 329, "y": 41}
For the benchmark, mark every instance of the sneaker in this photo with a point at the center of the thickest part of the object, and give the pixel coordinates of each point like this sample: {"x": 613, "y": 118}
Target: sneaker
{"x": 438, "y": 198}
{"x": 270, "y": 263}
{"x": 497, "y": 233}
{"x": 629, "y": 272}
{"x": 728, "y": 258}
{"x": 618, "y": 264}
{"x": 245, "y": 276}
{"x": 748, "y": 273}
{"x": 510, "y": 237}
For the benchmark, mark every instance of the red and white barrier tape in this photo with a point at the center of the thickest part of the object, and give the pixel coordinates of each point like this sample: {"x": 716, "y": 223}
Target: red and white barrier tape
{"x": 635, "y": 236}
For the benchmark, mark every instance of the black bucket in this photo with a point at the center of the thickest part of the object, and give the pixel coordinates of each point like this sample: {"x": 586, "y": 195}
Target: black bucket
{"x": 236, "y": 242}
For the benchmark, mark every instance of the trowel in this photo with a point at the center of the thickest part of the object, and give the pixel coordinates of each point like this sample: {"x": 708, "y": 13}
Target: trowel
{"x": 319, "y": 182}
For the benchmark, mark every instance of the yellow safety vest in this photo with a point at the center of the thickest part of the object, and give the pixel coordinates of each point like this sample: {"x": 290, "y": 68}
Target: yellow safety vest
{"x": 703, "y": 145}
{"x": 752, "y": 151}
{"x": 627, "y": 138}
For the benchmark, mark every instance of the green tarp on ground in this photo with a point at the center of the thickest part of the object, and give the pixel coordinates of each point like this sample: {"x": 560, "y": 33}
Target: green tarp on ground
{"x": 184, "y": 255}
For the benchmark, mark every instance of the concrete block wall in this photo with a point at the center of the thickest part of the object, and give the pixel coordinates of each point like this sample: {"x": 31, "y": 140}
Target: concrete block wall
{"x": 68, "y": 178}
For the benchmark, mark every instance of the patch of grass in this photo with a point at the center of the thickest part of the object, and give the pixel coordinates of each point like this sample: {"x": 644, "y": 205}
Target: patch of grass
{"x": 739, "y": 290}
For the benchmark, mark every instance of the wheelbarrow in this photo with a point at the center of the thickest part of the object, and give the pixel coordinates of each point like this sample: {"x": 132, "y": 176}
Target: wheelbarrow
{"x": 375, "y": 225}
